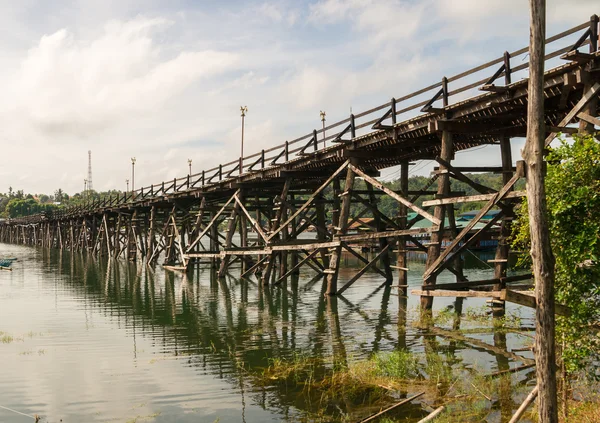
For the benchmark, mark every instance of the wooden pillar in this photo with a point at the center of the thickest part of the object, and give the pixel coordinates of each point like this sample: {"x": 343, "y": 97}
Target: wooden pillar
{"x": 541, "y": 249}
{"x": 243, "y": 231}
{"x": 340, "y": 228}
{"x": 294, "y": 253}
{"x": 434, "y": 247}
{"x": 502, "y": 251}
{"x": 283, "y": 255}
{"x": 214, "y": 242}
{"x": 383, "y": 242}
{"x": 274, "y": 225}
{"x": 401, "y": 261}
{"x": 322, "y": 224}
{"x": 592, "y": 106}
{"x": 228, "y": 238}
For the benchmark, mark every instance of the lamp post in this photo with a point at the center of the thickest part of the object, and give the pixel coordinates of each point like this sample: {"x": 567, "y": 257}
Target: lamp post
{"x": 190, "y": 165}
{"x": 322, "y": 114}
{"x": 132, "y": 174}
{"x": 127, "y": 182}
{"x": 244, "y": 110}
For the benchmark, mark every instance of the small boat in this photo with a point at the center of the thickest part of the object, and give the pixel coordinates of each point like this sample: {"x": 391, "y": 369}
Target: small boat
{"x": 6, "y": 263}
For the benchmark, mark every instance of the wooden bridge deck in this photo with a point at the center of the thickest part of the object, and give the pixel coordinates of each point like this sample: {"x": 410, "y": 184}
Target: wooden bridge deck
{"x": 308, "y": 182}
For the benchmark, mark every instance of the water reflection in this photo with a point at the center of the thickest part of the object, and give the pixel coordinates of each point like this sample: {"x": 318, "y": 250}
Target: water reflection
{"x": 126, "y": 340}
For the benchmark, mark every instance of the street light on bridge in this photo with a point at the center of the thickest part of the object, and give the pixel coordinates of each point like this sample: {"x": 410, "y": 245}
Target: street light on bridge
{"x": 322, "y": 114}
{"x": 190, "y": 165}
{"x": 127, "y": 182}
{"x": 244, "y": 110}
{"x": 132, "y": 174}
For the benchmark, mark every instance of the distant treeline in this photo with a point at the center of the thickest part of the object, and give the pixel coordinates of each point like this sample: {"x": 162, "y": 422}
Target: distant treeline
{"x": 18, "y": 204}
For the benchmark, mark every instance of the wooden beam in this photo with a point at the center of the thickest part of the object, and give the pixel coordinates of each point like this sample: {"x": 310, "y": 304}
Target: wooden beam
{"x": 253, "y": 222}
{"x": 433, "y": 269}
{"x": 386, "y": 234}
{"x": 587, "y": 97}
{"x": 395, "y": 196}
{"x": 310, "y": 199}
{"x": 471, "y": 198}
{"x": 527, "y": 299}
{"x": 363, "y": 270}
{"x": 589, "y": 119}
{"x": 361, "y": 258}
{"x": 471, "y": 284}
{"x": 213, "y": 220}
{"x": 297, "y": 266}
{"x": 461, "y": 127}
{"x": 458, "y": 294}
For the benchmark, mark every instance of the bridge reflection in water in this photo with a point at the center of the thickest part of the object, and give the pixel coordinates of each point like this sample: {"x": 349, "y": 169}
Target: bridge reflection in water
{"x": 228, "y": 330}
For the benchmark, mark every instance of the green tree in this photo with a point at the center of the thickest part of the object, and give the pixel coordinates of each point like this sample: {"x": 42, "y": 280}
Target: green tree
{"x": 573, "y": 195}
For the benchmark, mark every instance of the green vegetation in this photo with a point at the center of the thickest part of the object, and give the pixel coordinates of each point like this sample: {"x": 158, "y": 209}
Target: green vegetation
{"x": 18, "y": 204}
{"x": 573, "y": 195}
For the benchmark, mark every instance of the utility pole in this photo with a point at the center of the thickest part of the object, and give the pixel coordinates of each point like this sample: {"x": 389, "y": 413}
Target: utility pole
{"x": 322, "y": 114}
{"x": 132, "y": 175}
{"x": 541, "y": 251}
{"x": 244, "y": 110}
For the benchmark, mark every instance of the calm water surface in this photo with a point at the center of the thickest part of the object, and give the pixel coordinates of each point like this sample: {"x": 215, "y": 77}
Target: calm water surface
{"x": 88, "y": 340}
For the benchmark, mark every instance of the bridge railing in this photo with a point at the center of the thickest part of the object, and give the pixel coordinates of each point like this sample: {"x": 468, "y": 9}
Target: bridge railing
{"x": 420, "y": 101}
{"x": 431, "y": 99}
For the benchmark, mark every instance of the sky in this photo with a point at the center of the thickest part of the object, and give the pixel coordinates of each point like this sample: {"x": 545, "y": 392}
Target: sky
{"x": 164, "y": 81}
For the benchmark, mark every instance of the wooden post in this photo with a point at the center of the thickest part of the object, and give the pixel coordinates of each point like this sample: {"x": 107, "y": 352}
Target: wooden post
{"x": 402, "y": 223}
{"x": 342, "y": 225}
{"x": 243, "y": 228}
{"x": 434, "y": 247}
{"x": 294, "y": 253}
{"x": 501, "y": 258}
{"x": 586, "y": 127}
{"x": 541, "y": 250}
{"x": 228, "y": 238}
{"x": 321, "y": 223}
{"x": 382, "y": 242}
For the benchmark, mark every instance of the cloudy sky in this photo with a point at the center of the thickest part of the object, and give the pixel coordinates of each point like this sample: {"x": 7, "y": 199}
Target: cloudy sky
{"x": 163, "y": 81}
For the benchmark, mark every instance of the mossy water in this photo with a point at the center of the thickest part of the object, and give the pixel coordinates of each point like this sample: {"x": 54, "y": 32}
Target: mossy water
{"x": 101, "y": 341}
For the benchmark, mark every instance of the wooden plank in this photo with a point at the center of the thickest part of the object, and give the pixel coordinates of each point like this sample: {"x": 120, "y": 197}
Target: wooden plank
{"x": 471, "y": 198}
{"x": 470, "y": 284}
{"x": 477, "y": 169}
{"x": 491, "y": 203}
{"x": 304, "y": 246}
{"x": 395, "y": 196}
{"x": 587, "y": 97}
{"x": 258, "y": 263}
{"x": 297, "y": 266}
{"x": 589, "y": 119}
{"x": 363, "y": 270}
{"x": 361, "y": 258}
{"x": 311, "y": 199}
{"x": 203, "y": 255}
{"x": 252, "y": 221}
{"x": 387, "y": 234}
{"x": 461, "y": 294}
{"x": 213, "y": 220}
{"x": 528, "y": 300}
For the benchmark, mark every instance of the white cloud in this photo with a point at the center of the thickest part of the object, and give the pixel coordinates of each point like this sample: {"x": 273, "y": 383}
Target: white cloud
{"x": 67, "y": 87}
{"x": 146, "y": 79}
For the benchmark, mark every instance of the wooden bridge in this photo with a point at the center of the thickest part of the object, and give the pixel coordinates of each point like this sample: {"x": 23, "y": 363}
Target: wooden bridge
{"x": 282, "y": 194}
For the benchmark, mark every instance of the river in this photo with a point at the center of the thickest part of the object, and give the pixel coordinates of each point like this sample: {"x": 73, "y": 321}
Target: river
{"x": 88, "y": 340}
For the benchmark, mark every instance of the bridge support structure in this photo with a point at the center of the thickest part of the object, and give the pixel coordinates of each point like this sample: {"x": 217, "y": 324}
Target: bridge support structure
{"x": 301, "y": 208}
